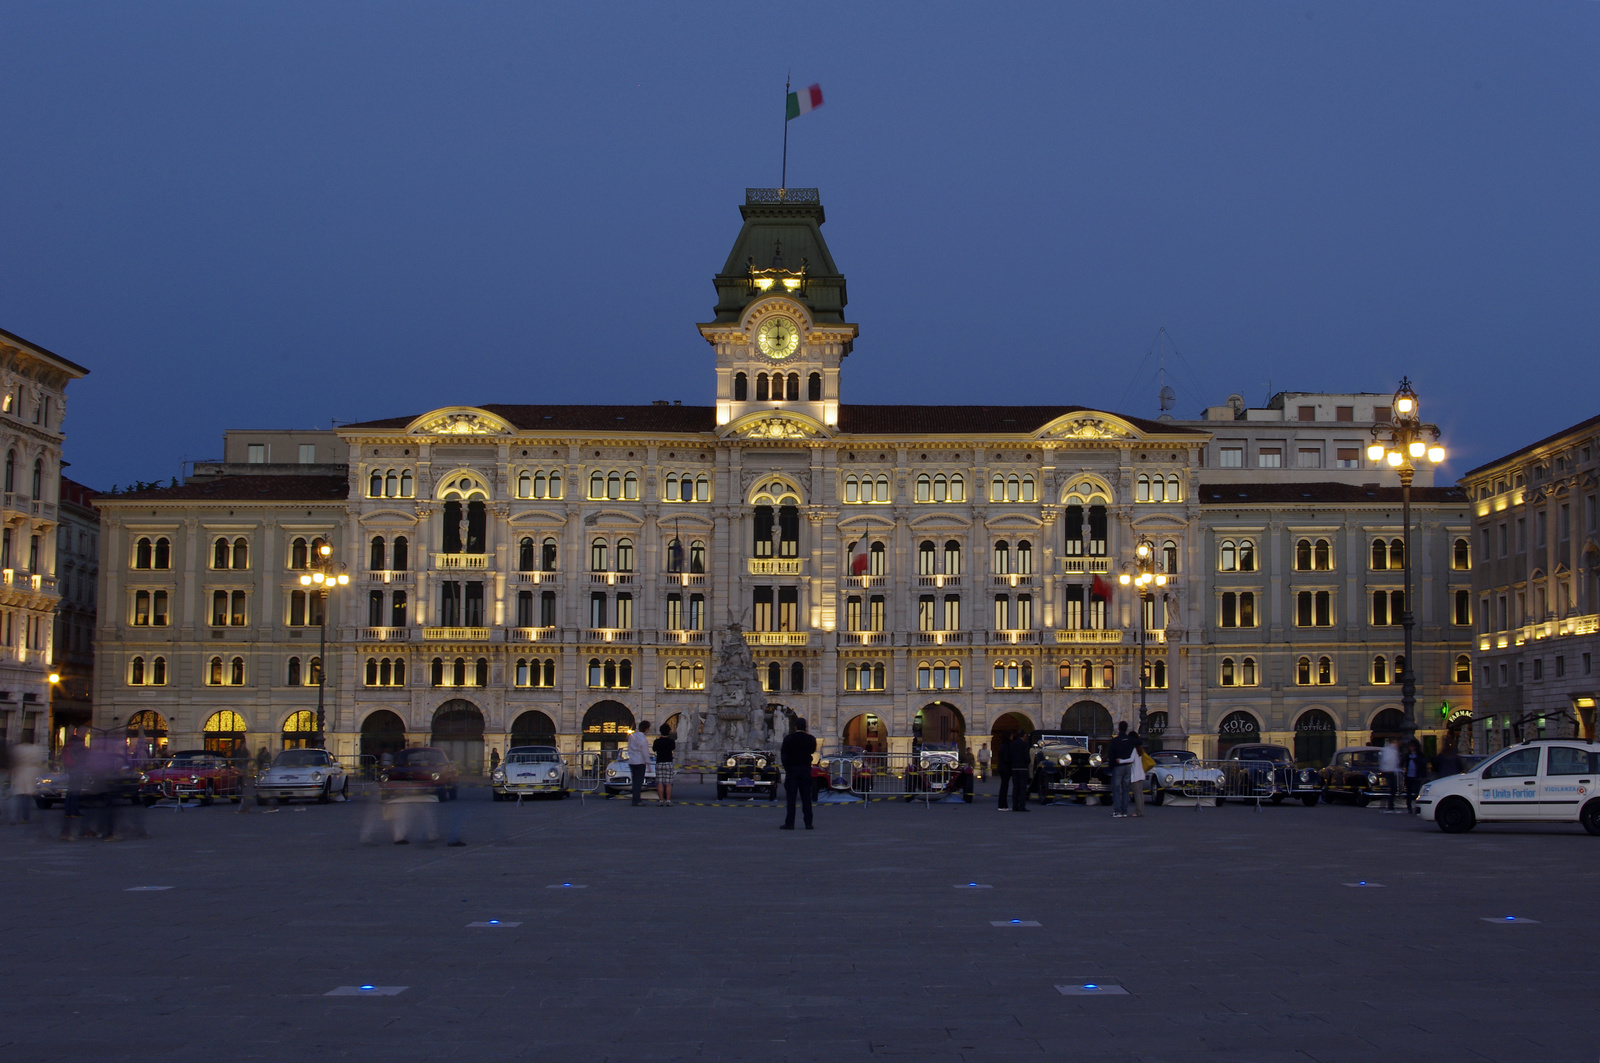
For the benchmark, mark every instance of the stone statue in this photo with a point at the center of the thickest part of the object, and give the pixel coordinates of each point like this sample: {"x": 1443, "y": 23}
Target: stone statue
{"x": 738, "y": 716}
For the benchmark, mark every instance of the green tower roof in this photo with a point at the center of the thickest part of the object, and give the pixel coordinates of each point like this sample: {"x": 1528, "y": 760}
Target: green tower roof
{"x": 781, "y": 236}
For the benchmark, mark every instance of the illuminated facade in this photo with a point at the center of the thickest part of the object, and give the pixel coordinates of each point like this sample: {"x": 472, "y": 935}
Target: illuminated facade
{"x": 526, "y": 573}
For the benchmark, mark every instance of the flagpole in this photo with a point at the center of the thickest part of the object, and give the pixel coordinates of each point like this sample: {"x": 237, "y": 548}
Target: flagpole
{"x": 783, "y": 181}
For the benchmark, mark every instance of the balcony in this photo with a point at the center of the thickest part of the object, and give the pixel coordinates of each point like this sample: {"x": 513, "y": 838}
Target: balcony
{"x": 777, "y": 566}
{"x": 44, "y": 510}
{"x": 533, "y": 634}
{"x": 1087, "y": 636}
{"x": 684, "y": 579}
{"x": 778, "y": 638}
{"x": 941, "y": 638}
{"x": 1077, "y": 566}
{"x": 610, "y": 634}
{"x": 1545, "y": 629}
{"x": 682, "y": 638}
{"x": 386, "y": 634}
{"x": 456, "y": 634}
{"x": 611, "y": 579}
{"x": 1017, "y": 637}
{"x": 865, "y": 638}
{"x": 539, "y": 577}
{"x": 866, "y": 581}
{"x": 389, "y": 575}
{"x": 451, "y": 561}
{"x": 938, "y": 581}
{"x": 1014, "y": 579}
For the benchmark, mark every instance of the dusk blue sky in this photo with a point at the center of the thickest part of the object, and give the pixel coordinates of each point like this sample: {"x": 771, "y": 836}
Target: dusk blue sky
{"x": 280, "y": 214}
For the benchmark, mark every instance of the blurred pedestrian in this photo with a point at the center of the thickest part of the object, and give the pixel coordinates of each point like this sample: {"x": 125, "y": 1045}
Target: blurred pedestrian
{"x": 639, "y": 759}
{"x": 795, "y": 754}
{"x": 1120, "y": 752}
{"x": 263, "y": 759}
{"x": 1142, "y": 763}
{"x": 1389, "y": 767}
{"x": 494, "y": 759}
{"x": 27, "y": 760}
{"x": 1002, "y": 766}
{"x": 73, "y": 764}
{"x": 983, "y": 761}
{"x": 1447, "y": 761}
{"x": 663, "y": 747}
{"x": 1414, "y": 768}
{"x": 1019, "y": 755}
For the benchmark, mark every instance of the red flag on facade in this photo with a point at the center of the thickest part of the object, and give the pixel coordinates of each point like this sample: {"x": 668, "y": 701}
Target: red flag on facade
{"x": 1101, "y": 589}
{"x": 858, "y": 559}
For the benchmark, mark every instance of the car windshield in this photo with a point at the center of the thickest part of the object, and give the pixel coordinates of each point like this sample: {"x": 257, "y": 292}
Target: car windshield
{"x": 300, "y": 758}
{"x": 1175, "y": 756}
{"x": 1276, "y": 754}
{"x": 533, "y": 755}
{"x": 417, "y": 758}
{"x": 1365, "y": 758}
{"x": 185, "y": 763}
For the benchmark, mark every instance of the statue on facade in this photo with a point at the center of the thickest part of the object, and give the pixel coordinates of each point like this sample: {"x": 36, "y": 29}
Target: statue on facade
{"x": 737, "y": 716}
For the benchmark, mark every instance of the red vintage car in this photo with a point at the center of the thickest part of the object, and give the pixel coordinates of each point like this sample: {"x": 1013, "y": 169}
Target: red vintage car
{"x": 418, "y": 771}
{"x": 192, "y": 773}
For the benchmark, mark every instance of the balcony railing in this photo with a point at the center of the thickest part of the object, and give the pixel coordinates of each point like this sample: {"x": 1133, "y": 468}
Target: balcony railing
{"x": 1020, "y": 637}
{"x": 456, "y": 634}
{"x": 386, "y": 634}
{"x": 1014, "y": 579}
{"x": 778, "y": 638}
{"x": 389, "y": 575}
{"x": 777, "y": 566}
{"x": 1545, "y": 629}
{"x": 1071, "y": 636}
{"x": 611, "y": 579}
{"x": 538, "y": 577}
{"x": 1073, "y": 566}
{"x": 866, "y": 581}
{"x": 939, "y": 580}
{"x": 684, "y": 579}
{"x": 460, "y": 560}
{"x": 533, "y": 634}
{"x": 941, "y": 638}
{"x": 682, "y": 638}
{"x": 864, "y": 638}
{"x": 610, "y": 634}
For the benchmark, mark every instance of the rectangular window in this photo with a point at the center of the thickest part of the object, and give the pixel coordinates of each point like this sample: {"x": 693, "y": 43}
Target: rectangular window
{"x": 1002, "y": 613}
{"x": 1314, "y": 609}
{"x": 472, "y": 611}
{"x": 1344, "y": 413}
{"x": 450, "y": 603}
{"x": 1349, "y": 458}
{"x": 236, "y": 614}
{"x": 1463, "y": 607}
{"x": 597, "y": 609}
{"x": 1269, "y": 458}
{"x": 1381, "y": 414}
{"x": 1564, "y": 524}
{"x": 927, "y": 613}
{"x": 547, "y": 609}
{"x": 1539, "y": 528}
{"x": 397, "y": 609}
{"x": 308, "y": 453}
{"x": 1522, "y": 535}
{"x": 524, "y": 608}
{"x": 258, "y": 454}
{"x": 625, "y": 611}
{"x": 875, "y": 613}
{"x": 1309, "y": 458}
{"x": 788, "y": 608}
{"x": 1538, "y": 668}
{"x": 761, "y": 601}
{"x": 674, "y": 612}
{"x": 374, "y": 608}
{"x": 1308, "y": 413}
{"x": 1561, "y": 667}
{"x": 1024, "y": 612}
{"x": 852, "y": 613}
{"x": 952, "y": 612}
{"x": 1505, "y": 540}
{"x": 1231, "y": 458}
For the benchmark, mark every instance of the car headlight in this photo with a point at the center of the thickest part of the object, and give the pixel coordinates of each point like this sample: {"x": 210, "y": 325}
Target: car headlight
{"x": 761, "y": 762}
{"x": 497, "y": 776}
{"x": 1374, "y": 778}
{"x": 1095, "y": 761}
{"x": 1426, "y": 787}
{"x": 316, "y": 776}
{"x": 434, "y": 776}
{"x": 731, "y": 762}
{"x": 142, "y": 778}
{"x": 194, "y": 778}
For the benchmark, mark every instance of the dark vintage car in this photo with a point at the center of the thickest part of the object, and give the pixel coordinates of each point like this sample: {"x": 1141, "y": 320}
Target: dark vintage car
{"x": 1353, "y": 775}
{"x": 749, "y": 773}
{"x": 418, "y": 771}
{"x": 1062, "y": 765}
{"x": 843, "y": 771}
{"x": 936, "y": 768}
{"x": 197, "y": 773}
{"x": 1257, "y": 770}
{"x": 120, "y": 782}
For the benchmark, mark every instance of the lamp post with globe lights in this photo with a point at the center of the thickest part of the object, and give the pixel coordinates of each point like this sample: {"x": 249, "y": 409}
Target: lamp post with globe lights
{"x": 326, "y": 578}
{"x": 1144, "y": 564}
{"x": 1403, "y": 444}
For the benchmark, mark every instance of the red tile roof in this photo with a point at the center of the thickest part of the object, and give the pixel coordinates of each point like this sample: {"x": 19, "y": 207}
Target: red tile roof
{"x": 243, "y": 489}
{"x": 1332, "y": 493}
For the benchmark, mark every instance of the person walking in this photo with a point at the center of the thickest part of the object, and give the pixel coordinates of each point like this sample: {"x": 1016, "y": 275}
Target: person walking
{"x": 1120, "y": 752}
{"x": 983, "y": 761}
{"x": 1142, "y": 763}
{"x": 1413, "y": 767}
{"x": 1389, "y": 766}
{"x": 663, "y": 746}
{"x": 1002, "y": 766}
{"x": 639, "y": 759}
{"x": 795, "y": 754}
{"x": 1447, "y": 761}
{"x": 1019, "y": 751}
{"x": 26, "y": 761}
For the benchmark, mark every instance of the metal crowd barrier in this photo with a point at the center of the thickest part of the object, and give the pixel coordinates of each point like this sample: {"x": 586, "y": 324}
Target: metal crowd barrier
{"x": 895, "y": 775}
{"x": 1224, "y": 780}
{"x": 586, "y": 772}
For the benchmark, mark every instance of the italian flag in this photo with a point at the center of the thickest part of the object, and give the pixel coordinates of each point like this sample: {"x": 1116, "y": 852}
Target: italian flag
{"x": 803, "y": 101}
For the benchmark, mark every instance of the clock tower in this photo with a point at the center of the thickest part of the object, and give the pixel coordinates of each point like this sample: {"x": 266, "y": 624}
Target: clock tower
{"x": 779, "y": 332}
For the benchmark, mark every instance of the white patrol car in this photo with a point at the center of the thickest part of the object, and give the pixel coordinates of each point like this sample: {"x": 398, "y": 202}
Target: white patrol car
{"x": 1538, "y": 781}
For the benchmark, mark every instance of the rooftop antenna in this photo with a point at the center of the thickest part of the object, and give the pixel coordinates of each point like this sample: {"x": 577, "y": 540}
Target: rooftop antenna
{"x": 1166, "y": 396}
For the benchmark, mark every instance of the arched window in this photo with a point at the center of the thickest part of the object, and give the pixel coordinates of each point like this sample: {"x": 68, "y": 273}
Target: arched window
{"x": 697, "y": 556}
{"x": 1141, "y": 489}
{"x": 38, "y": 477}
{"x": 1324, "y": 671}
{"x": 142, "y": 553}
{"x": 880, "y": 491}
{"x": 741, "y": 387}
{"x": 1463, "y": 669}
{"x": 761, "y": 387}
{"x": 241, "y": 553}
{"x": 219, "y": 554}
{"x": 1024, "y": 558}
{"x": 314, "y": 672}
{"x": 525, "y": 554}
{"x": 214, "y": 672}
{"x": 924, "y": 487}
{"x": 1247, "y": 672}
{"x": 1302, "y": 555}
{"x": 481, "y": 672}
{"x": 597, "y": 484}
{"x": 1169, "y": 557}
{"x": 459, "y": 672}
{"x": 293, "y": 672}
{"x": 236, "y": 672}
{"x": 1322, "y": 556}
{"x": 1158, "y": 489}
{"x": 372, "y": 671}
{"x": 136, "y": 672}
{"x": 926, "y": 558}
{"x": 11, "y": 470}
{"x": 525, "y": 485}
{"x": 158, "y": 672}
{"x": 597, "y": 556}
{"x": 401, "y": 559}
{"x": 299, "y": 555}
{"x": 1397, "y": 553}
{"x": 547, "y": 556}
{"x": 614, "y": 485}
{"x": 1461, "y": 556}
{"x": 630, "y": 486}
{"x": 875, "y": 559}
{"x": 1380, "y": 670}
{"x": 1227, "y": 556}
{"x": 952, "y": 558}
{"x": 792, "y": 392}
{"x": 1229, "y": 677}
{"x": 774, "y": 676}
{"x": 1174, "y": 488}
{"x": 377, "y": 555}
{"x": 814, "y": 387}
{"x": 375, "y": 485}
{"x": 1380, "y": 555}
{"x": 436, "y": 676}
{"x": 797, "y": 677}
{"x": 405, "y": 483}
{"x": 1302, "y": 671}
{"x": 163, "y": 558}
{"x": 391, "y": 484}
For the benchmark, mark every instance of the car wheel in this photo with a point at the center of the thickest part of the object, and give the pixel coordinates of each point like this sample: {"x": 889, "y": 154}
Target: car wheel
{"x": 1277, "y": 799}
{"x": 722, "y": 793}
{"x": 1362, "y": 800}
{"x": 455, "y": 792}
{"x": 40, "y": 802}
{"x": 1157, "y": 794}
{"x": 772, "y": 792}
{"x": 1105, "y": 799}
{"x": 327, "y": 793}
{"x": 1455, "y": 816}
{"x": 344, "y": 788}
{"x": 561, "y": 795}
{"x": 1590, "y": 817}
{"x": 1309, "y": 800}
{"x": 209, "y": 796}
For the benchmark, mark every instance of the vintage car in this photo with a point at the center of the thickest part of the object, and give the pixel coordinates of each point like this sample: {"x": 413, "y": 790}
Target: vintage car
{"x": 1257, "y": 770}
{"x": 529, "y": 771}
{"x": 619, "y": 780}
{"x": 936, "y": 768}
{"x": 1063, "y": 766}
{"x": 420, "y": 770}
{"x": 1543, "y": 781}
{"x": 1353, "y": 774}
{"x": 843, "y": 771}
{"x": 1179, "y": 773}
{"x": 309, "y": 774}
{"x": 749, "y": 773}
{"x": 197, "y": 773}
{"x": 51, "y": 788}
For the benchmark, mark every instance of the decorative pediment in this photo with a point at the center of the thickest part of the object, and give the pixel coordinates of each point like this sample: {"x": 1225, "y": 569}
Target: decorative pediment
{"x": 764, "y": 425}
{"x": 1088, "y": 426}
{"x": 460, "y": 421}
{"x": 389, "y": 516}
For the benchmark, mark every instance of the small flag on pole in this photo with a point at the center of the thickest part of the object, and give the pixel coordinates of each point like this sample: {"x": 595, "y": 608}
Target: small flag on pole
{"x": 803, "y": 101}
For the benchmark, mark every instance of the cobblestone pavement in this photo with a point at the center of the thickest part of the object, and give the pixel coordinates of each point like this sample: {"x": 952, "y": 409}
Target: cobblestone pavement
{"x": 701, "y": 932}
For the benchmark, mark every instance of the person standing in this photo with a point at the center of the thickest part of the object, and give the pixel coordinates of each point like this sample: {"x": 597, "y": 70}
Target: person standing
{"x": 795, "y": 754}
{"x": 663, "y": 746}
{"x": 983, "y": 761}
{"x": 1002, "y": 766}
{"x": 1019, "y": 754}
{"x": 26, "y": 761}
{"x": 1120, "y": 752}
{"x": 1447, "y": 762}
{"x": 1412, "y": 766}
{"x": 639, "y": 759}
{"x": 1136, "y": 773}
{"x": 1389, "y": 766}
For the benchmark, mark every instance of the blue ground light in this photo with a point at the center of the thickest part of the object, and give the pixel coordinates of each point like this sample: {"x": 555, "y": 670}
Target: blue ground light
{"x": 494, "y": 922}
{"x": 366, "y": 987}
{"x": 1091, "y": 985}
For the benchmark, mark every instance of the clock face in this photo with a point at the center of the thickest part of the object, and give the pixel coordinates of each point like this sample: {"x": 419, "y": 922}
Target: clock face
{"x": 778, "y": 338}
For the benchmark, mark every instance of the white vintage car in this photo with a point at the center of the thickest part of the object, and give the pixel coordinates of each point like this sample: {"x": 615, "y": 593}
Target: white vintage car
{"x": 619, "y": 780}
{"x": 1178, "y": 772}
{"x": 304, "y": 773}
{"x": 529, "y": 771}
{"x": 1547, "y": 780}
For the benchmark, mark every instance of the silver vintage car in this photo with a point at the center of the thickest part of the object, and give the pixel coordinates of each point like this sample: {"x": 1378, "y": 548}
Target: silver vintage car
{"x": 307, "y": 774}
{"x": 529, "y": 771}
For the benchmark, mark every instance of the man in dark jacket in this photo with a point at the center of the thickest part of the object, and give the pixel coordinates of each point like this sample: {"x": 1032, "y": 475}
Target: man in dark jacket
{"x": 795, "y": 754}
{"x": 1119, "y": 755}
{"x": 1002, "y": 766}
{"x": 1019, "y": 754}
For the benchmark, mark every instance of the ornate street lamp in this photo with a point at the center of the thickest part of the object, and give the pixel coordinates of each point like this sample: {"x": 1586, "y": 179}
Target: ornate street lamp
{"x": 1403, "y": 444}
{"x": 1144, "y": 563}
{"x": 326, "y": 579}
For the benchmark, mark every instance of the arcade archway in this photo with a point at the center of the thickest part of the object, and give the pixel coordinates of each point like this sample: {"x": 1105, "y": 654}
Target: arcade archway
{"x": 224, "y": 731}
{"x": 1236, "y": 729}
{"x": 1090, "y": 719}
{"x": 382, "y": 732}
{"x": 458, "y": 730}
{"x": 533, "y": 728}
{"x": 869, "y": 731}
{"x": 939, "y": 722}
{"x": 1316, "y": 737}
{"x": 147, "y": 735}
{"x": 300, "y": 730}
{"x": 1386, "y": 725}
{"x": 606, "y": 726}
